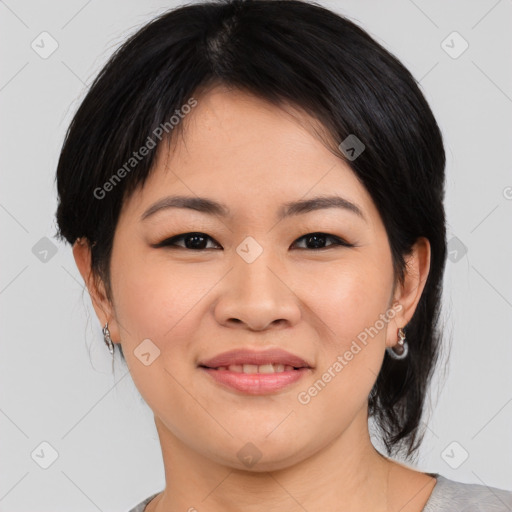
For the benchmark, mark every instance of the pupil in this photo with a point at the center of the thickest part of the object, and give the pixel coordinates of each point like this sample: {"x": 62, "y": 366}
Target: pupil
{"x": 316, "y": 238}
{"x": 195, "y": 244}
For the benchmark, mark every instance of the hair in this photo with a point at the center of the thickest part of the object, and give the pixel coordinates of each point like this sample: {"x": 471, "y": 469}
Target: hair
{"x": 289, "y": 52}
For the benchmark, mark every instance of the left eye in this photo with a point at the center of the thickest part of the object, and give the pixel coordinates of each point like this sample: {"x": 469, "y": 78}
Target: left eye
{"x": 318, "y": 239}
{"x": 196, "y": 241}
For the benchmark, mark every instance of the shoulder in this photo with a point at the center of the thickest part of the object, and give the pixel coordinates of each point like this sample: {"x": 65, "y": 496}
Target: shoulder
{"x": 451, "y": 496}
{"x": 142, "y": 505}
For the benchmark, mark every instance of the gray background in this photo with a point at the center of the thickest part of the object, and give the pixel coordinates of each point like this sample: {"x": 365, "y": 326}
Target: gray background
{"x": 56, "y": 379}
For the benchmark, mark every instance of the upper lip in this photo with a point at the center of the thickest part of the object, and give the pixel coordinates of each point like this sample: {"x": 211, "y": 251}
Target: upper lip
{"x": 257, "y": 357}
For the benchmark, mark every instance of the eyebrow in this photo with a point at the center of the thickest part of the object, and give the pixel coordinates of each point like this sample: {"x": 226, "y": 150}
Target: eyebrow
{"x": 211, "y": 207}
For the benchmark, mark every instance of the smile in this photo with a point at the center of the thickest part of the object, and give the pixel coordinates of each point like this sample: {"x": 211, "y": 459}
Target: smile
{"x": 255, "y": 372}
{"x": 253, "y": 368}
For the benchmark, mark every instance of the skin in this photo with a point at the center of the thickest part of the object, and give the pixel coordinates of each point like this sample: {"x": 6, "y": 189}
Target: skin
{"x": 192, "y": 304}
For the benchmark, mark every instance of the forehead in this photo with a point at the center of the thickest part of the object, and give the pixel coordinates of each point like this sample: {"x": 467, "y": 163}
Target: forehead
{"x": 245, "y": 152}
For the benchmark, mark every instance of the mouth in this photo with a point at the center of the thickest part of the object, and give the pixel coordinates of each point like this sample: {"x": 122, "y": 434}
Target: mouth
{"x": 255, "y": 372}
{"x": 254, "y": 368}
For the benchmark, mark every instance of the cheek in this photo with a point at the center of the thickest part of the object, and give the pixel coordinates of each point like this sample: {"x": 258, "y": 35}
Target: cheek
{"x": 348, "y": 298}
{"x": 158, "y": 300}
{"x": 349, "y": 305}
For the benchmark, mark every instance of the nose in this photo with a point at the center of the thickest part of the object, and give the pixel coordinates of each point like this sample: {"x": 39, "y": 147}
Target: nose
{"x": 257, "y": 296}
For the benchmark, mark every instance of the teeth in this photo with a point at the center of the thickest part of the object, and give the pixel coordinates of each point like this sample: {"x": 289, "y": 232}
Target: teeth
{"x": 254, "y": 368}
{"x": 266, "y": 368}
{"x": 250, "y": 368}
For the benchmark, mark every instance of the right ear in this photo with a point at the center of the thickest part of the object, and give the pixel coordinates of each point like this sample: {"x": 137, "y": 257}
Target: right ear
{"x": 96, "y": 288}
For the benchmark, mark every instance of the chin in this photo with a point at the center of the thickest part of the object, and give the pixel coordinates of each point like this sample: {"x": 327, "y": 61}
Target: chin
{"x": 259, "y": 453}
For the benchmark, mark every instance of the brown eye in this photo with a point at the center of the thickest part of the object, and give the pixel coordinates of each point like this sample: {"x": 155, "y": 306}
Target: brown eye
{"x": 194, "y": 241}
{"x": 317, "y": 240}
{"x": 197, "y": 241}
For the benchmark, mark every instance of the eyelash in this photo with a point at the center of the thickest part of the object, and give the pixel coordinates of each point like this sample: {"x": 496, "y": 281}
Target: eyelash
{"x": 171, "y": 242}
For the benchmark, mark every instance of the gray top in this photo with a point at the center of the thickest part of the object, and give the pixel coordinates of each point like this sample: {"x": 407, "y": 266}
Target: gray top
{"x": 447, "y": 496}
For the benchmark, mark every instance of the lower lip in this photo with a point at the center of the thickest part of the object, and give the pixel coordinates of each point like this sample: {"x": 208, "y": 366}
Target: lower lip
{"x": 256, "y": 383}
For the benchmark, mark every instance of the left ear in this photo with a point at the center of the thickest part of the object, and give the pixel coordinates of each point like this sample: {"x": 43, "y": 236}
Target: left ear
{"x": 417, "y": 266}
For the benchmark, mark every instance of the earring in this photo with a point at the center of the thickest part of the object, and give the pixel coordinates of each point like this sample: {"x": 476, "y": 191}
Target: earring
{"x": 401, "y": 349}
{"x": 108, "y": 339}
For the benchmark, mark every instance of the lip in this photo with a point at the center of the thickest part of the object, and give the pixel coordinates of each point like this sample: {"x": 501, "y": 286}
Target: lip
{"x": 259, "y": 357}
{"x": 255, "y": 383}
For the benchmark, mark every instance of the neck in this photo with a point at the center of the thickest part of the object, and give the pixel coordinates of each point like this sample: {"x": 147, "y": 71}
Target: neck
{"x": 347, "y": 474}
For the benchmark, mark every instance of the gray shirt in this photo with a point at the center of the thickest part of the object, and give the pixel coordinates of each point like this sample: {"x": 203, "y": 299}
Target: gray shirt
{"x": 447, "y": 496}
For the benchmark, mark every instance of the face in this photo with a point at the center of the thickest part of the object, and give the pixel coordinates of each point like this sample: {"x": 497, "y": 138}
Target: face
{"x": 304, "y": 285}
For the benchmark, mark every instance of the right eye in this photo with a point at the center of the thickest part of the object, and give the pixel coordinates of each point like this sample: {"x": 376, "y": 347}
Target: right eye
{"x": 194, "y": 241}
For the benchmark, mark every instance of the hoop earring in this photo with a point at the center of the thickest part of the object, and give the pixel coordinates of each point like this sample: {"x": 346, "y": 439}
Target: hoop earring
{"x": 401, "y": 349}
{"x": 108, "y": 339}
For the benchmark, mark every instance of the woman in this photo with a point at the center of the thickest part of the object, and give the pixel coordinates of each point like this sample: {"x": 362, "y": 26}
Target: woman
{"x": 254, "y": 194}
